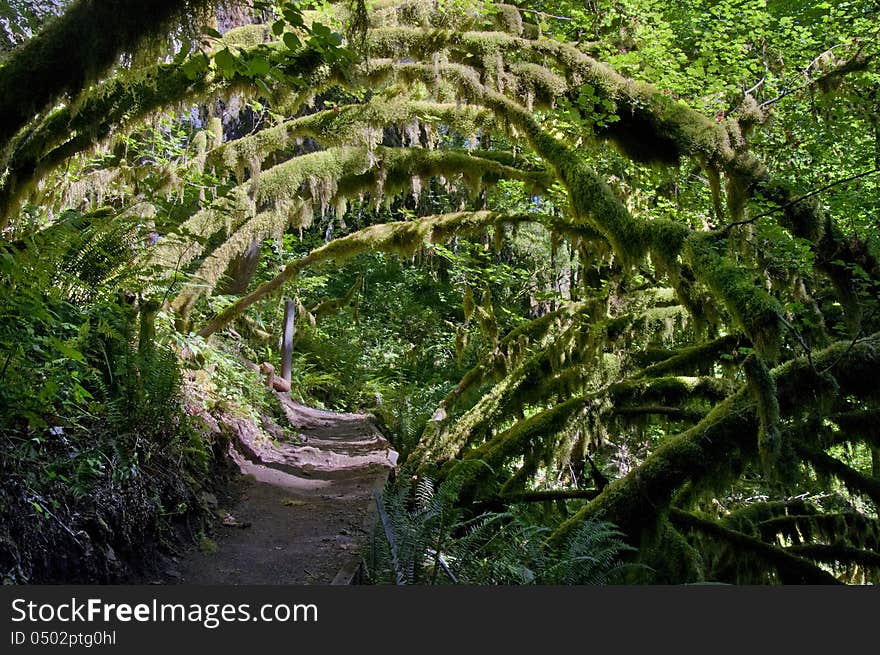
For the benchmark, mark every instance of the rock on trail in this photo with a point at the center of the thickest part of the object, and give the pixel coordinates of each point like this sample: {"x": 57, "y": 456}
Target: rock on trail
{"x": 306, "y": 505}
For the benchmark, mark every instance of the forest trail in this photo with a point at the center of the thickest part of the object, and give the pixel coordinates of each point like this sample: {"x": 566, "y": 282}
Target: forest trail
{"x": 304, "y": 509}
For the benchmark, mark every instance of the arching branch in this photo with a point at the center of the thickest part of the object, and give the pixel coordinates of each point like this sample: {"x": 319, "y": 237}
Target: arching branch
{"x": 76, "y": 49}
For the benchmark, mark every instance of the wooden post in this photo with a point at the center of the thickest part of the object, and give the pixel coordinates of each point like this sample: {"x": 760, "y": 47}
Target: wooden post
{"x": 287, "y": 341}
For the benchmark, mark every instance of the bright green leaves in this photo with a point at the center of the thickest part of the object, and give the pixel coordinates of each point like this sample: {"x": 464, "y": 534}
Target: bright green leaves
{"x": 292, "y": 15}
{"x": 588, "y": 111}
{"x": 258, "y": 66}
{"x": 270, "y": 64}
{"x": 196, "y": 66}
{"x": 226, "y": 62}
{"x": 328, "y": 43}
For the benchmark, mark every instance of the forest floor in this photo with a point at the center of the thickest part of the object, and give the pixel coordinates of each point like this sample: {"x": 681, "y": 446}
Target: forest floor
{"x": 303, "y": 507}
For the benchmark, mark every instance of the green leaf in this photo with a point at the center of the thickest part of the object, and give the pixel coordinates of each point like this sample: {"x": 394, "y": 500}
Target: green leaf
{"x": 291, "y": 40}
{"x": 68, "y": 351}
{"x": 195, "y": 66}
{"x": 258, "y": 66}
{"x": 321, "y": 31}
{"x": 225, "y": 60}
{"x": 293, "y": 16}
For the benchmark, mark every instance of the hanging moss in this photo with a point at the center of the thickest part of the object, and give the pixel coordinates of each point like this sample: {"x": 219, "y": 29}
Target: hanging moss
{"x": 651, "y": 126}
{"x": 467, "y": 303}
{"x": 671, "y": 390}
{"x": 542, "y": 426}
{"x": 837, "y": 554}
{"x": 227, "y": 213}
{"x": 752, "y": 309}
{"x": 485, "y": 315}
{"x": 791, "y": 568}
{"x": 247, "y": 36}
{"x": 560, "y": 362}
{"x": 74, "y": 50}
{"x": 687, "y": 359}
{"x": 120, "y": 101}
{"x": 515, "y": 347}
{"x": 847, "y": 528}
{"x": 855, "y": 481}
{"x": 212, "y": 269}
{"x": 403, "y": 238}
{"x": 669, "y": 128}
{"x": 537, "y": 83}
{"x": 763, "y": 391}
{"x": 511, "y": 391}
{"x": 721, "y": 441}
{"x": 352, "y": 125}
{"x": 861, "y": 424}
{"x": 333, "y": 305}
{"x": 329, "y": 175}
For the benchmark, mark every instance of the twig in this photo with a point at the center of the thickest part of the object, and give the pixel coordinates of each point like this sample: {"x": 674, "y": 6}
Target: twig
{"x": 808, "y": 83}
{"x": 791, "y": 203}
{"x": 801, "y": 340}
{"x": 756, "y": 86}
{"x": 6, "y": 364}
{"x": 60, "y": 522}
{"x": 845, "y": 353}
{"x": 545, "y": 14}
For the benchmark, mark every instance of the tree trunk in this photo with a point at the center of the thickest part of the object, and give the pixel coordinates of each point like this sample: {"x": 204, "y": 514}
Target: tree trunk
{"x": 287, "y": 340}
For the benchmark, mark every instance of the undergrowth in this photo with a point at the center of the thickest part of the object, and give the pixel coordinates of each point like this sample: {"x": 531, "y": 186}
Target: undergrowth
{"x": 424, "y": 537}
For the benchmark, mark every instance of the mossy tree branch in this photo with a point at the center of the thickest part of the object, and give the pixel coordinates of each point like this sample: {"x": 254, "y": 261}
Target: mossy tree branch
{"x": 76, "y": 49}
{"x": 724, "y": 441}
{"x": 401, "y": 237}
{"x": 791, "y": 568}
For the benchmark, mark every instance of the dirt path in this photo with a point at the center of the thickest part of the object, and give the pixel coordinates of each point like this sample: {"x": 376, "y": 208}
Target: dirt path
{"x": 305, "y": 508}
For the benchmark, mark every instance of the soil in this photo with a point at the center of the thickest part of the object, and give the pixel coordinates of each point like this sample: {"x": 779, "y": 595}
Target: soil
{"x": 302, "y": 508}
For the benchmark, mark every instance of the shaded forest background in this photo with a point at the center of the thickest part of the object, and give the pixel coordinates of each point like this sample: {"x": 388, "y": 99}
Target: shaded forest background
{"x": 606, "y": 272}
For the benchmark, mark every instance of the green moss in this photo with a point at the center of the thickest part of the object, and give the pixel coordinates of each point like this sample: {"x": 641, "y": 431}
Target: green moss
{"x": 247, "y": 36}
{"x": 723, "y": 441}
{"x": 692, "y": 357}
{"x": 118, "y": 102}
{"x": 752, "y": 309}
{"x": 227, "y": 213}
{"x": 286, "y": 194}
{"x": 73, "y": 51}
{"x": 763, "y": 391}
{"x": 509, "y": 19}
{"x": 403, "y": 238}
{"x": 848, "y": 528}
{"x": 803, "y": 219}
{"x": 672, "y": 390}
{"x": 790, "y": 568}
{"x": 526, "y": 433}
{"x": 468, "y": 303}
{"x": 856, "y": 482}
